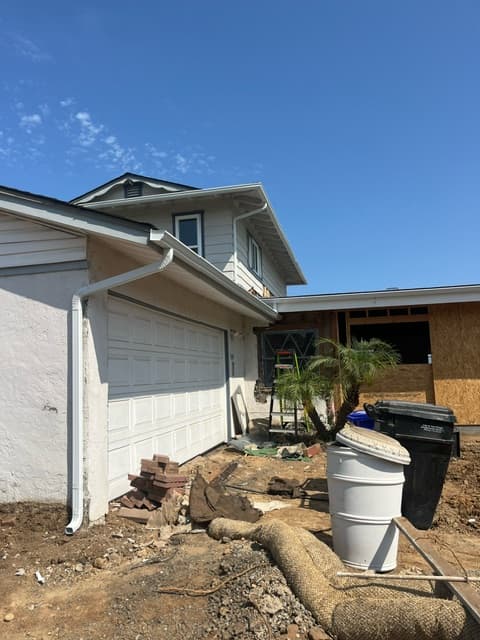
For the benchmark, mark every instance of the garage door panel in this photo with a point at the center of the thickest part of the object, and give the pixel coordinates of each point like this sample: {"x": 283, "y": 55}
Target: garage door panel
{"x": 162, "y": 407}
{"x": 167, "y": 389}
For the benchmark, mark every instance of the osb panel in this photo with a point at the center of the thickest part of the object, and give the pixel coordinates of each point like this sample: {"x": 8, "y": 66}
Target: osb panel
{"x": 455, "y": 340}
{"x": 409, "y": 382}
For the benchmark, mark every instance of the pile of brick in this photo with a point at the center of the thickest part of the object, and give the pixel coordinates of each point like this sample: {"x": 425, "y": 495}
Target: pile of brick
{"x": 158, "y": 481}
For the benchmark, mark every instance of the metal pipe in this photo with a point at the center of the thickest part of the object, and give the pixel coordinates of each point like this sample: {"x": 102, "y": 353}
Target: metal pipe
{"x": 77, "y": 375}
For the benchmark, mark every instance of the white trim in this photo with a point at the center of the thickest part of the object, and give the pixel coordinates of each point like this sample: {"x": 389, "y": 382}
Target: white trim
{"x": 368, "y": 299}
{"x": 175, "y": 195}
{"x": 204, "y": 268}
{"x": 254, "y": 253}
{"x": 198, "y": 247}
{"x": 211, "y": 192}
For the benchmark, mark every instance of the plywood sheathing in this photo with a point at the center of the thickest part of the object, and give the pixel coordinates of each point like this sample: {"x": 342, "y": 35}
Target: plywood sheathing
{"x": 455, "y": 340}
{"x": 408, "y": 382}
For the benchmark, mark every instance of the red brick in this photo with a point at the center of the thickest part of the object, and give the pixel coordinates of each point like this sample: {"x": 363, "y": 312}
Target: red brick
{"x": 314, "y": 450}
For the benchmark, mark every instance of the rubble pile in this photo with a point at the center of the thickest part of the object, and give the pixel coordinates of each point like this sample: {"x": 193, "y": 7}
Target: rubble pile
{"x": 158, "y": 484}
{"x": 258, "y": 603}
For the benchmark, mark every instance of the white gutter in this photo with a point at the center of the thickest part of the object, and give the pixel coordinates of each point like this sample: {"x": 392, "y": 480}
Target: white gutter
{"x": 242, "y": 216}
{"x": 202, "y": 267}
{"x": 77, "y": 375}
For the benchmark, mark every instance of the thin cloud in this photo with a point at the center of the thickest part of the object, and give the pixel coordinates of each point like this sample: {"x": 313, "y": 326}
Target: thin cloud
{"x": 82, "y": 139}
{"x": 88, "y": 131}
{"x": 27, "y": 48}
{"x": 30, "y": 122}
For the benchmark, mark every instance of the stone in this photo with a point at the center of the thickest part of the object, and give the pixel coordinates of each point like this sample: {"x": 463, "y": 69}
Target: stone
{"x": 8, "y": 617}
{"x": 78, "y": 567}
{"x": 293, "y": 632}
{"x": 100, "y": 563}
{"x": 270, "y": 604}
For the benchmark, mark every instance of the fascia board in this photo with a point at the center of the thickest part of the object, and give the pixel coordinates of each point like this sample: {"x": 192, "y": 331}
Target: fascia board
{"x": 176, "y": 195}
{"x": 372, "y": 299}
{"x": 204, "y": 193}
{"x": 74, "y": 218}
{"x": 205, "y": 269}
{"x": 283, "y": 238}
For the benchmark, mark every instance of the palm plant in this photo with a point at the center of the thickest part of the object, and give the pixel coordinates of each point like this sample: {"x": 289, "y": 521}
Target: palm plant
{"x": 352, "y": 366}
{"x": 302, "y": 387}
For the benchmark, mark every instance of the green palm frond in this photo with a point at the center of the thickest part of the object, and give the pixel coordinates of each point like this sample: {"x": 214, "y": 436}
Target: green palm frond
{"x": 352, "y": 366}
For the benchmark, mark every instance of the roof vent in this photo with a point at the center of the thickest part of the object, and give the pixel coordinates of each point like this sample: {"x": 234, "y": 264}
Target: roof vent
{"x": 133, "y": 189}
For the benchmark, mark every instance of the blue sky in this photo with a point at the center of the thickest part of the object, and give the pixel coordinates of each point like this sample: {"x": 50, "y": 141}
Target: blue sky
{"x": 360, "y": 118}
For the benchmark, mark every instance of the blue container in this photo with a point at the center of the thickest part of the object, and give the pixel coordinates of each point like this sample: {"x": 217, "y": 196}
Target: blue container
{"x": 361, "y": 419}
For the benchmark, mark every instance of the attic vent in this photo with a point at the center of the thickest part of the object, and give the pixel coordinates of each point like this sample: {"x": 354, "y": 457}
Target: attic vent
{"x": 132, "y": 189}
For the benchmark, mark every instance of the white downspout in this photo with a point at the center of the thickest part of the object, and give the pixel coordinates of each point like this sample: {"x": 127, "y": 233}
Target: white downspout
{"x": 77, "y": 375}
{"x": 242, "y": 216}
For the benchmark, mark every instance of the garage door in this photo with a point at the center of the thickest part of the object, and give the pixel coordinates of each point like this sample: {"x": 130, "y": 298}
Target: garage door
{"x": 167, "y": 389}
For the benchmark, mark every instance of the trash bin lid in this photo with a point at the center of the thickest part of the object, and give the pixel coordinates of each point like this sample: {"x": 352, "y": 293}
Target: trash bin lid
{"x": 415, "y": 410}
{"x": 374, "y": 443}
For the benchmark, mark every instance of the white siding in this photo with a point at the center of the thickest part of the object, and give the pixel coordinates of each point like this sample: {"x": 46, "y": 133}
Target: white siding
{"x": 217, "y": 227}
{"x": 25, "y": 243}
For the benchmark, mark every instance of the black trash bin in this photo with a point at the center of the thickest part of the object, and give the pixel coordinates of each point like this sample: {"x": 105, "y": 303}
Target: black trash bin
{"x": 427, "y": 432}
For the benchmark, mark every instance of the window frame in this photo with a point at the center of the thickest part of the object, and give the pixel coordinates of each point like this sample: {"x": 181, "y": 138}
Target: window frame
{"x": 253, "y": 244}
{"x": 191, "y": 215}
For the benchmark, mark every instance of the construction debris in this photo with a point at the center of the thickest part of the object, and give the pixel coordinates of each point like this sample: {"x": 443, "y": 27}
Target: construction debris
{"x": 284, "y": 487}
{"x": 210, "y": 500}
{"x": 159, "y": 483}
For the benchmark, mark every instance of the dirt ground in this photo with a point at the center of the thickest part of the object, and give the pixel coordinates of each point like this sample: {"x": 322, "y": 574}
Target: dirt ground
{"x": 104, "y": 581}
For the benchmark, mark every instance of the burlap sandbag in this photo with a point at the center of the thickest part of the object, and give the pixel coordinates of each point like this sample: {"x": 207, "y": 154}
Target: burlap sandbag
{"x": 347, "y": 608}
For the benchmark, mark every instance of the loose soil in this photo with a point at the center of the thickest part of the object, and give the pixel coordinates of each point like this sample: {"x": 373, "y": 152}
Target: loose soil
{"x": 105, "y": 581}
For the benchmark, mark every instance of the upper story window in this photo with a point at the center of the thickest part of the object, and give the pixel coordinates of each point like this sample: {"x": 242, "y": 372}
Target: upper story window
{"x": 188, "y": 229}
{"x": 254, "y": 257}
{"x": 132, "y": 189}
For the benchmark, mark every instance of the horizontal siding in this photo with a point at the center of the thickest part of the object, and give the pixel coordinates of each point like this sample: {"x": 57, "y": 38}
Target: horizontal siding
{"x": 24, "y": 243}
{"x": 271, "y": 277}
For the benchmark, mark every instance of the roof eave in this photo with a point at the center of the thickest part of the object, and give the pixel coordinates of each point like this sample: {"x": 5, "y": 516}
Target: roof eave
{"x": 372, "y": 299}
{"x": 212, "y": 192}
{"x": 192, "y": 260}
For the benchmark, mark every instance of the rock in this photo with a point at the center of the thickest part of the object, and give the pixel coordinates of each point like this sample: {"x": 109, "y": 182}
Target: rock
{"x": 270, "y": 604}
{"x": 7, "y": 521}
{"x": 20, "y": 572}
{"x": 317, "y": 633}
{"x": 100, "y": 563}
{"x": 117, "y": 534}
{"x": 78, "y": 567}
{"x": 8, "y": 617}
{"x": 293, "y": 632}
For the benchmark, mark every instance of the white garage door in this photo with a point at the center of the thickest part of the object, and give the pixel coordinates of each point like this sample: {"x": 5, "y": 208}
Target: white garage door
{"x": 167, "y": 389}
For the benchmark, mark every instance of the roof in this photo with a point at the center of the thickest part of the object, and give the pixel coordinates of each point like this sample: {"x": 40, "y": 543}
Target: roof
{"x": 247, "y": 197}
{"x": 103, "y": 188}
{"x": 380, "y": 298}
{"x": 138, "y": 236}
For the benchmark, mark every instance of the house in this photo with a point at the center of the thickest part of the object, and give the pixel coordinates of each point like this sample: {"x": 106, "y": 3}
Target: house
{"x": 127, "y": 322}
{"x": 436, "y": 331}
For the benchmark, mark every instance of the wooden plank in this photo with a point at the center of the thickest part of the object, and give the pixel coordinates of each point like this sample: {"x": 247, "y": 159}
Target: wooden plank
{"x": 464, "y": 592}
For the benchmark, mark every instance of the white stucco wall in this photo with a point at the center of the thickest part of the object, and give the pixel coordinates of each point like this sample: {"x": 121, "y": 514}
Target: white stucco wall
{"x": 34, "y": 384}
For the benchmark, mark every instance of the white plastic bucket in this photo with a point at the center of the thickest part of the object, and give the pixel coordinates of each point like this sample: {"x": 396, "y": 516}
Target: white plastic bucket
{"x": 365, "y": 493}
